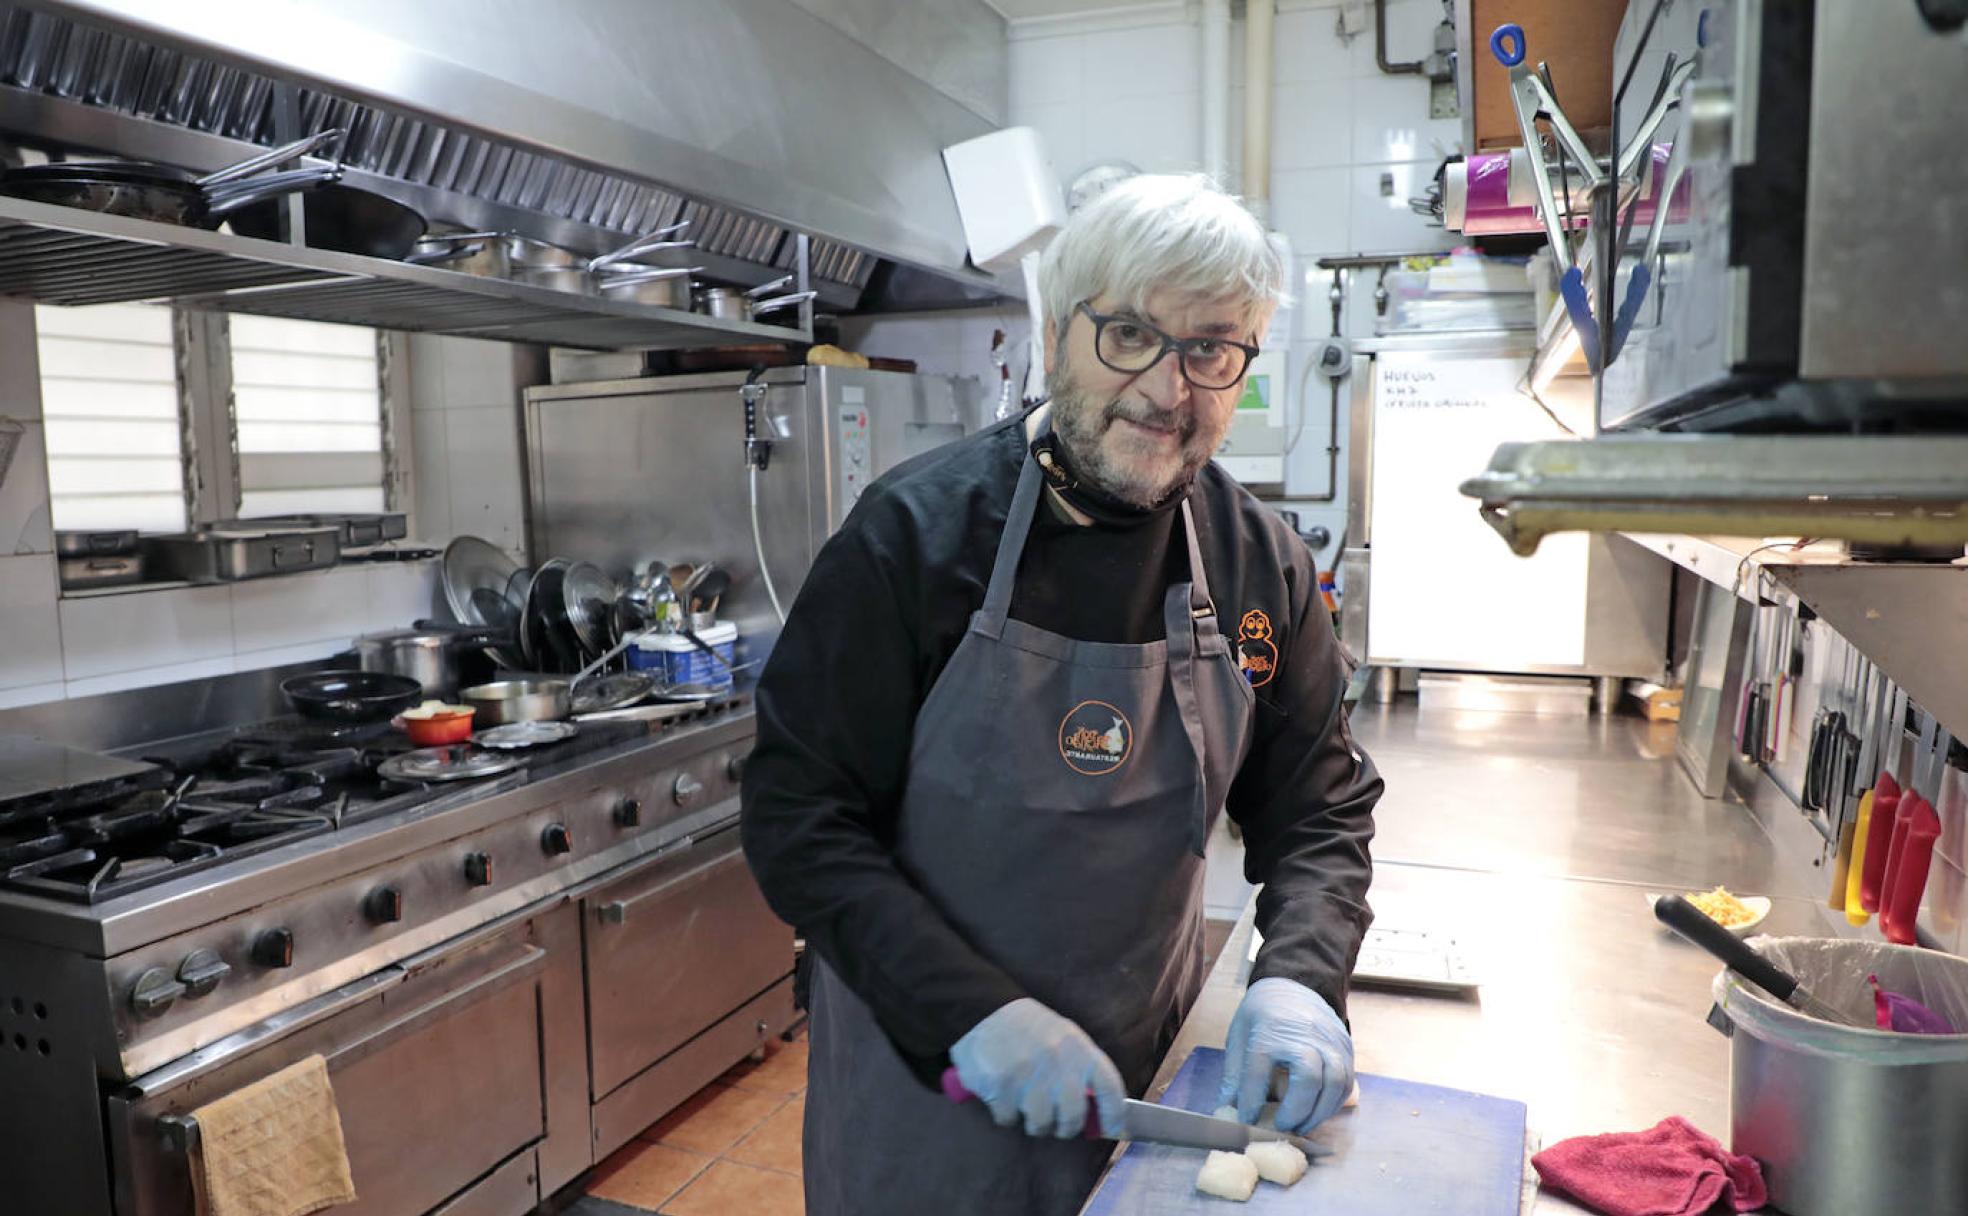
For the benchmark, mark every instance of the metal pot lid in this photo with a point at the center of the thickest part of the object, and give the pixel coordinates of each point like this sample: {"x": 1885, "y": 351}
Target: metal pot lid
{"x": 517, "y": 735}
{"x": 691, "y": 692}
{"x": 611, "y": 692}
{"x": 453, "y": 762}
{"x": 476, "y": 576}
{"x": 589, "y": 594}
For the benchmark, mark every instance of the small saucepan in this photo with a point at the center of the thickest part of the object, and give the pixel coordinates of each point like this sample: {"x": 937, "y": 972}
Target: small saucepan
{"x": 351, "y": 696}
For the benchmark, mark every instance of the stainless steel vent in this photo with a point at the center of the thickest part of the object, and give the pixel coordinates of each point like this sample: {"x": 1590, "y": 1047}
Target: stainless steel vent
{"x": 51, "y": 56}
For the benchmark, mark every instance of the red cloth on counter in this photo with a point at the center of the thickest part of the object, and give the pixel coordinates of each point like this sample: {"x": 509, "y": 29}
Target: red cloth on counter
{"x": 1672, "y": 1169}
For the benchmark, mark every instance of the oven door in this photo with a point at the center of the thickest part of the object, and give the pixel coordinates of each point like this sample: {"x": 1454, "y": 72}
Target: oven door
{"x": 672, "y": 948}
{"x": 437, "y": 1075}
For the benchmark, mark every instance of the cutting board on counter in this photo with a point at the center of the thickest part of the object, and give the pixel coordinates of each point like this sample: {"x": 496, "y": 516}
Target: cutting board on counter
{"x": 1408, "y": 1150}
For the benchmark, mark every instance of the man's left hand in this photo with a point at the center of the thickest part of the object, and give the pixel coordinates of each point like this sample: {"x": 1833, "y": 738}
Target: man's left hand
{"x": 1282, "y": 1023}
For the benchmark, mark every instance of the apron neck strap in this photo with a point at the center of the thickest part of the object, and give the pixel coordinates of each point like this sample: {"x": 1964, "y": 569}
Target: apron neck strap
{"x": 1018, "y": 526}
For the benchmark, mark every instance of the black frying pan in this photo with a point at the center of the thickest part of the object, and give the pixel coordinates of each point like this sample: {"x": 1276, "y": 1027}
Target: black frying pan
{"x": 165, "y": 193}
{"x": 352, "y": 696}
{"x": 345, "y": 219}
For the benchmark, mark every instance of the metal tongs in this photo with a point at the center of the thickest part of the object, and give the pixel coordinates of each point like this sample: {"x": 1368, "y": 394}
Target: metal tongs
{"x": 1533, "y": 97}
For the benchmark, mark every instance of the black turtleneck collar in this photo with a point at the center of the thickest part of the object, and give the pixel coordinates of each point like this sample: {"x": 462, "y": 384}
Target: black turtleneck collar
{"x": 1064, "y": 478}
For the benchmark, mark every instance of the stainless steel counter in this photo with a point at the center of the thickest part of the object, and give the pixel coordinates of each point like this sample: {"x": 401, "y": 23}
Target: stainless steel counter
{"x": 1533, "y": 842}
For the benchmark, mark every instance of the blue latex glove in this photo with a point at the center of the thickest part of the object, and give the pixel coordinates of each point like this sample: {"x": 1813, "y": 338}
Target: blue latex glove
{"x": 1025, "y": 1061}
{"x": 1282, "y": 1023}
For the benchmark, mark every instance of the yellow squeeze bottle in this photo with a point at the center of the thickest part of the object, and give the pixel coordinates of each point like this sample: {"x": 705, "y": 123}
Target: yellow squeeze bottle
{"x": 1855, "y": 912}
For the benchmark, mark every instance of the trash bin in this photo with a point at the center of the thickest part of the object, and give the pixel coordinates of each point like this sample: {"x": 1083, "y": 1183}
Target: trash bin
{"x": 1851, "y": 1122}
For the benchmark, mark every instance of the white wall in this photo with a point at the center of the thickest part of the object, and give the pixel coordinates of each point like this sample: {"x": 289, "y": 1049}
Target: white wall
{"x": 1123, "y": 84}
{"x": 466, "y": 477}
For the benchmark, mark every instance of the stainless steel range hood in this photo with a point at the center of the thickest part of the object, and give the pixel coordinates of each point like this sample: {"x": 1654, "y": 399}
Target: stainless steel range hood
{"x": 577, "y": 123}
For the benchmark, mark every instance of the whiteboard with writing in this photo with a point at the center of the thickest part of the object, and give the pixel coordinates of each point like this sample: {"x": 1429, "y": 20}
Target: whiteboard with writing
{"x": 1444, "y": 590}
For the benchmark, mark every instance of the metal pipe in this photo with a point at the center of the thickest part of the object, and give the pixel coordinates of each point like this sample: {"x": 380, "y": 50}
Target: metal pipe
{"x": 1258, "y": 18}
{"x": 1215, "y": 21}
{"x": 1413, "y": 68}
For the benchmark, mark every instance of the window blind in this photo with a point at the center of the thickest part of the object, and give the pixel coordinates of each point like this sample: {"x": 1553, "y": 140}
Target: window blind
{"x": 109, "y": 397}
{"x": 307, "y": 403}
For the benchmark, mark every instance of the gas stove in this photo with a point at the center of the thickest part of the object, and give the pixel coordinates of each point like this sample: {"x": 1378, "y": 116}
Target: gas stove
{"x": 208, "y": 802}
{"x": 192, "y": 916}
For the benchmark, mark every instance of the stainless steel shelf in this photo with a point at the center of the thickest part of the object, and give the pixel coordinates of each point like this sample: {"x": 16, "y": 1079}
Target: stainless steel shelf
{"x": 60, "y": 255}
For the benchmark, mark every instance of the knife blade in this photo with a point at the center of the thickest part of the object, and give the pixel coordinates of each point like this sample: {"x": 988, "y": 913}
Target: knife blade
{"x": 1151, "y": 1123}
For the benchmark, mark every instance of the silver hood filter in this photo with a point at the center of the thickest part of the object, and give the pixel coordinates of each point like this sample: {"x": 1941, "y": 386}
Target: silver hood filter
{"x": 752, "y": 120}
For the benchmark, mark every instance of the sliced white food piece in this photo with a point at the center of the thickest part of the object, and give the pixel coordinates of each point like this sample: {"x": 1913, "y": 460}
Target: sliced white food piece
{"x": 1277, "y": 1161}
{"x": 1225, "y": 1112}
{"x": 1228, "y": 1176}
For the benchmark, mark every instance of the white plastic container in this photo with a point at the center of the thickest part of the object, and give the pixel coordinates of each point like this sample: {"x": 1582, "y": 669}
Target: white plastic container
{"x": 1007, "y": 195}
{"x": 675, "y": 659}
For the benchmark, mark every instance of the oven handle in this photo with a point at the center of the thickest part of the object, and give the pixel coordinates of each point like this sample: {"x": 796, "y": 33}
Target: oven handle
{"x": 616, "y": 911}
{"x": 180, "y": 1132}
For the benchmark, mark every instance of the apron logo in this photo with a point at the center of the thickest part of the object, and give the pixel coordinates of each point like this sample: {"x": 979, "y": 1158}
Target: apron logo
{"x": 1095, "y": 738}
{"x": 1257, "y": 655}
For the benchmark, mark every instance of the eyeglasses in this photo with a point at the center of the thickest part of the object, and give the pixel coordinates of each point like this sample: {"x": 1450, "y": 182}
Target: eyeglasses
{"x": 1126, "y": 344}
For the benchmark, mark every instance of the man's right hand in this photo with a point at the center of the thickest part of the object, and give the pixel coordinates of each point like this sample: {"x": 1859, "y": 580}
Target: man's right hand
{"x": 1025, "y": 1061}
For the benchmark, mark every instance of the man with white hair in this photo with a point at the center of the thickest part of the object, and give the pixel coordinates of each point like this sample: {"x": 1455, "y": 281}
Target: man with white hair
{"x": 1016, "y": 690}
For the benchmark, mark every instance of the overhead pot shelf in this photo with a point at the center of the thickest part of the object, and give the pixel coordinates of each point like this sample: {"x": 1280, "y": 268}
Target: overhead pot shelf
{"x": 63, "y": 255}
{"x": 1889, "y": 492}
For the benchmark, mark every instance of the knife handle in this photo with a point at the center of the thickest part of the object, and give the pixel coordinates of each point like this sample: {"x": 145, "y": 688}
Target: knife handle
{"x": 955, "y": 1091}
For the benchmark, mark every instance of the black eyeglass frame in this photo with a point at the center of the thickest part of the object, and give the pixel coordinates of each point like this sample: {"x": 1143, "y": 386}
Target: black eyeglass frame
{"x": 1181, "y": 347}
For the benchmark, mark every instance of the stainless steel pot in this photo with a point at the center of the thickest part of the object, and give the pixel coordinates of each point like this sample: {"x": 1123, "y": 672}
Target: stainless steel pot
{"x": 428, "y": 655}
{"x": 523, "y": 700}
{"x": 1847, "y": 1121}
{"x": 656, "y": 288}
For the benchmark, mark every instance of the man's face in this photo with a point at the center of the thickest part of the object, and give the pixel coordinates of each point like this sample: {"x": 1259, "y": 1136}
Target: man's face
{"x": 1139, "y": 435}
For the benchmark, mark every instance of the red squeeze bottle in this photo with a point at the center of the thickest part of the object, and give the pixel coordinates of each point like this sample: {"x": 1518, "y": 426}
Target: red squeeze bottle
{"x": 1872, "y": 880}
{"x": 1901, "y": 821}
{"x": 1903, "y": 912}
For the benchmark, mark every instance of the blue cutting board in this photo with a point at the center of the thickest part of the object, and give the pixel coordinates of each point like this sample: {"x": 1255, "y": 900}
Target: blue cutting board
{"x": 1408, "y": 1150}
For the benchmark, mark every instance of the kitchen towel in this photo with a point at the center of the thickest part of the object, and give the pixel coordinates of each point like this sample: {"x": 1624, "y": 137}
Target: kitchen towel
{"x": 273, "y": 1148}
{"x": 1672, "y": 1169}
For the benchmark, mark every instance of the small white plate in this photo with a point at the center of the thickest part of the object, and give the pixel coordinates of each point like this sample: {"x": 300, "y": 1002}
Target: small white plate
{"x": 1758, "y": 905}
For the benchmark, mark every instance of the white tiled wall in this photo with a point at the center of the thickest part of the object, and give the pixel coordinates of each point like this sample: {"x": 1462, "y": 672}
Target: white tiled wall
{"x": 51, "y": 648}
{"x": 1350, "y": 146}
{"x": 466, "y": 438}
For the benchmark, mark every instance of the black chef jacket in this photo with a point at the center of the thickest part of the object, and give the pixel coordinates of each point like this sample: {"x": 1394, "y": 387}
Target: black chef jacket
{"x": 880, "y": 614}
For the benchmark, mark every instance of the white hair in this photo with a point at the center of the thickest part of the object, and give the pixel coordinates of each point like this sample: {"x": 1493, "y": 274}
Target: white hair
{"x": 1171, "y": 232}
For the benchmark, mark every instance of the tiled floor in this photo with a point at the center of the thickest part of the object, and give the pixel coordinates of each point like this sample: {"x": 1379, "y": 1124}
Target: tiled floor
{"x": 732, "y": 1150}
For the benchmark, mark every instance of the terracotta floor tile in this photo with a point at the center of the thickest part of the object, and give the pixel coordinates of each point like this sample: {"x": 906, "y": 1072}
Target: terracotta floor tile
{"x": 645, "y": 1175}
{"x": 782, "y": 1073}
{"x": 730, "y": 1189}
{"x": 714, "y": 1119}
{"x": 776, "y": 1143}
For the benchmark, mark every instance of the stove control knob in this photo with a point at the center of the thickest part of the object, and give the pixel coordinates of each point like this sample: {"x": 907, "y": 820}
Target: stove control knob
{"x": 156, "y": 991}
{"x": 556, "y": 840}
{"x": 734, "y": 768}
{"x": 478, "y": 869}
{"x": 686, "y": 790}
{"x": 628, "y": 813}
{"x": 201, "y": 972}
{"x": 274, "y": 948}
{"x": 384, "y": 906}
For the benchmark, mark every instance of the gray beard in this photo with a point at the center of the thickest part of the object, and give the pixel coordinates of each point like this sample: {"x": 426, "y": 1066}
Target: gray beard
{"x": 1080, "y": 425}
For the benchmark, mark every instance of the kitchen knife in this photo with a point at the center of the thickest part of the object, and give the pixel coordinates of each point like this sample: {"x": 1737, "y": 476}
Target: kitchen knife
{"x": 1151, "y": 1123}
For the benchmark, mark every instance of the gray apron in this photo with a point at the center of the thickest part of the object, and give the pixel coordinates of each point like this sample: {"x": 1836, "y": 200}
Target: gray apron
{"x": 1058, "y": 798}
